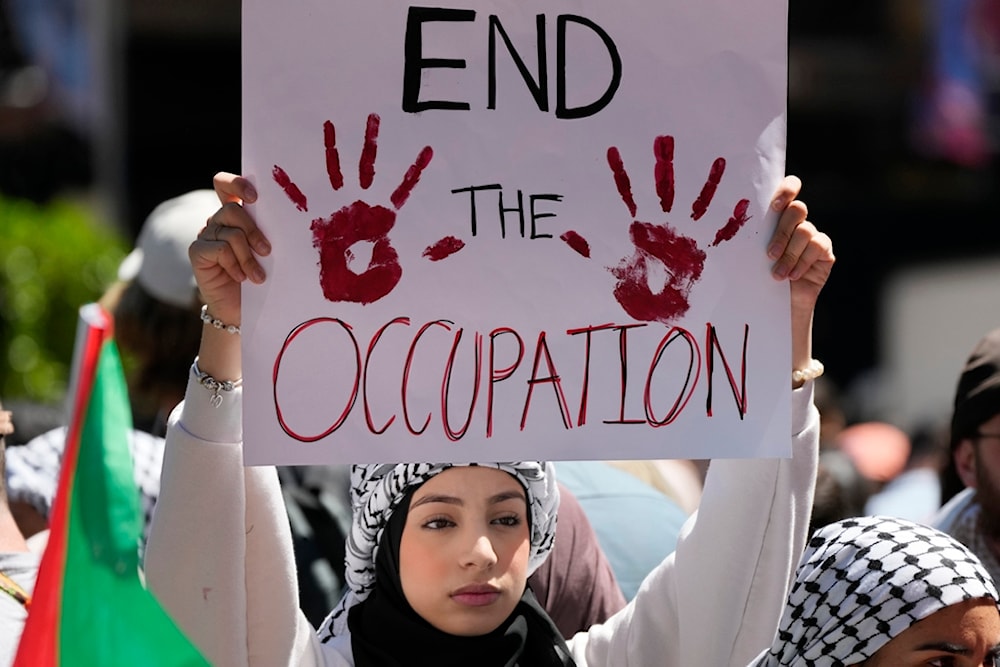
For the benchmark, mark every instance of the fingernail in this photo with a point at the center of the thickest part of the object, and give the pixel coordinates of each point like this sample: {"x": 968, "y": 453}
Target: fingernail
{"x": 262, "y": 247}
{"x": 779, "y": 204}
{"x": 258, "y": 275}
{"x": 249, "y": 193}
{"x": 781, "y": 271}
{"x": 774, "y": 251}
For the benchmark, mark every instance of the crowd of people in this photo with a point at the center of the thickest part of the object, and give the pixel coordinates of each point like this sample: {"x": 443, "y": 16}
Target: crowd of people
{"x": 869, "y": 546}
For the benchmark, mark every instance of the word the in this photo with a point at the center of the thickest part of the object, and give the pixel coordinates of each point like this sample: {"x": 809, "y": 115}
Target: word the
{"x": 533, "y": 215}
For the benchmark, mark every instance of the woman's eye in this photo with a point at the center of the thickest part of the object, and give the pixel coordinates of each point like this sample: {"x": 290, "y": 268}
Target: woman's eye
{"x": 438, "y": 523}
{"x": 509, "y": 521}
{"x": 948, "y": 661}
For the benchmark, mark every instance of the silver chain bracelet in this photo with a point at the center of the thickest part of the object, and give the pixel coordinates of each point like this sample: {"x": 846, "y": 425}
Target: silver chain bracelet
{"x": 213, "y": 385}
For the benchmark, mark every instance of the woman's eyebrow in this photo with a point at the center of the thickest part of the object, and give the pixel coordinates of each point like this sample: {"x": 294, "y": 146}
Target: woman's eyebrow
{"x": 454, "y": 500}
{"x": 507, "y": 495}
{"x": 437, "y": 498}
{"x": 947, "y": 647}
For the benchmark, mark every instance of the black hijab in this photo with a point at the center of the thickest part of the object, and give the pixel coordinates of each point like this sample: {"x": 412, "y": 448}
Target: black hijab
{"x": 387, "y": 632}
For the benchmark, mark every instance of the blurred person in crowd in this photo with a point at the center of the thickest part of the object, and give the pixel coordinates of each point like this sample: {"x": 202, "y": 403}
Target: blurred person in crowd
{"x": 887, "y": 592}
{"x": 18, "y": 564}
{"x": 879, "y": 451}
{"x": 152, "y": 303}
{"x": 915, "y": 493}
{"x": 576, "y": 585}
{"x": 857, "y": 461}
{"x": 607, "y": 494}
{"x": 681, "y": 480}
{"x": 841, "y": 490}
{"x": 33, "y": 420}
{"x": 832, "y": 414}
{"x": 973, "y": 515}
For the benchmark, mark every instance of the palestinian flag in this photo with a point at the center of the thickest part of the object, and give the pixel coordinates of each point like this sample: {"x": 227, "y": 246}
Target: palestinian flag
{"x": 89, "y": 605}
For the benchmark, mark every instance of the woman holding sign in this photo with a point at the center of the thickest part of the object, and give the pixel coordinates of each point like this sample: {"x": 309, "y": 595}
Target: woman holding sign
{"x": 438, "y": 555}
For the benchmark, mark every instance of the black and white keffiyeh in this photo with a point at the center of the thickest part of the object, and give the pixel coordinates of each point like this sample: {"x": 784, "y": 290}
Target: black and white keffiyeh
{"x": 376, "y": 490}
{"x": 864, "y": 580}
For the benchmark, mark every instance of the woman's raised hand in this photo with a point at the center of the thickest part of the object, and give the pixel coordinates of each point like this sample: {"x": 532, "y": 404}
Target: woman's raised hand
{"x": 803, "y": 255}
{"x": 224, "y": 254}
{"x": 222, "y": 257}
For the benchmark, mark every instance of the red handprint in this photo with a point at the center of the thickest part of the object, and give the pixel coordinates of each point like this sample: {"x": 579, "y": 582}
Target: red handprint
{"x": 680, "y": 257}
{"x": 334, "y": 236}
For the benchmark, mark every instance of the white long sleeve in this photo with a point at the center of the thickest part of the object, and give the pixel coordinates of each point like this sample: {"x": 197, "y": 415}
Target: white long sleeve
{"x": 718, "y": 598}
{"x": 220, "y": 557}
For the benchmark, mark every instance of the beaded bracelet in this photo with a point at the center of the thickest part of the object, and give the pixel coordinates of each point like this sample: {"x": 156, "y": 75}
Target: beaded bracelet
{"x": 812, "y": 371}
{"x": 213, "y": 385}
{"x": 217, "y": 323}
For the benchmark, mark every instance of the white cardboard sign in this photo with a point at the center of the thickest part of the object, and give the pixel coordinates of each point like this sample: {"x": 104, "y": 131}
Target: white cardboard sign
{"x": 507, "y": 230}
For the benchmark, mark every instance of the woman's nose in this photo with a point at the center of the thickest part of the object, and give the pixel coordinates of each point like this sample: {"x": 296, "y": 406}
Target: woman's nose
{"x": 480, "y": 553}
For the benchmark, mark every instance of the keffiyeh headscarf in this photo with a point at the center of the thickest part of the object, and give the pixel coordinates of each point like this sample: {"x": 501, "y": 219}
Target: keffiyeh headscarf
{"x": 377, "y": 489}
{"x": 863, "y": 581}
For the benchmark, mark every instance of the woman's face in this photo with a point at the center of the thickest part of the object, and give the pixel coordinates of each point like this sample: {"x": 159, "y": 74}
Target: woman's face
{"x": 463, "y": 556}
{"x": 962, "y": 635}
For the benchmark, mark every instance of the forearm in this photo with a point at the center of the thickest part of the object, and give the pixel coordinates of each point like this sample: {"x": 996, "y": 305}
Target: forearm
{"x": 718, "y": 598}
{"x": 195, "y": 557}
{"x": 219, "y": 556}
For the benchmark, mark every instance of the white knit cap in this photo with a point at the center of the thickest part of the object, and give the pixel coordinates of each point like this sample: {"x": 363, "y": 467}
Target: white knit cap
{"x": 160, "y": 261}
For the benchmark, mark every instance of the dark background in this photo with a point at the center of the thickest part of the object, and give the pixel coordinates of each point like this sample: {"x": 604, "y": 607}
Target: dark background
{"x": 856, "y": 70}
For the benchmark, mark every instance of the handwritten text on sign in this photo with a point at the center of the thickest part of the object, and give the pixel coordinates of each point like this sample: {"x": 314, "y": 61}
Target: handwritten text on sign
{"x": 504, "y": 233}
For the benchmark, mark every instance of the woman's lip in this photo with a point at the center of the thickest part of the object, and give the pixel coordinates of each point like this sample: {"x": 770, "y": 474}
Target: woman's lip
{"x": 476, "y": 599}
{"x": 477, "y": 595}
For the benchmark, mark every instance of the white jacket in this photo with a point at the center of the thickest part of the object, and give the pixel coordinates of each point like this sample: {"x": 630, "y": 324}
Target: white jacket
{"x": 220, "y": 558}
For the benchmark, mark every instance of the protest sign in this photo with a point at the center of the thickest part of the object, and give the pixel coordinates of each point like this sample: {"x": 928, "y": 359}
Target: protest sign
{"x": 511, "y": 231}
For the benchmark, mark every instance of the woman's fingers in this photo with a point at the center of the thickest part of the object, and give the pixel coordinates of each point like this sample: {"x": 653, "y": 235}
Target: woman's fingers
{"x": 797, "y": 241}
{"x": 235, "y": 255}
{"x": 233, "y": 188}
{"x": 788, "y": 189}
{"x": 809, "y": 248}
{"x": 227, "y": 246}
{"x": 793, "y": 215}
{"x": 234, "y": 215}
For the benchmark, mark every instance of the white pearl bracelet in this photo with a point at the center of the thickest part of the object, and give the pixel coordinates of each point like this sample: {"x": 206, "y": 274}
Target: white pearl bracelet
{"x": 217, "y": 323}
{"x": 812, "y": 371}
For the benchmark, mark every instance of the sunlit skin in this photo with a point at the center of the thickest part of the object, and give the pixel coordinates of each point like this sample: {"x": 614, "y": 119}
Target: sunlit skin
{"x": 962, "y": 635}
{"x": 463, "y": 556}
